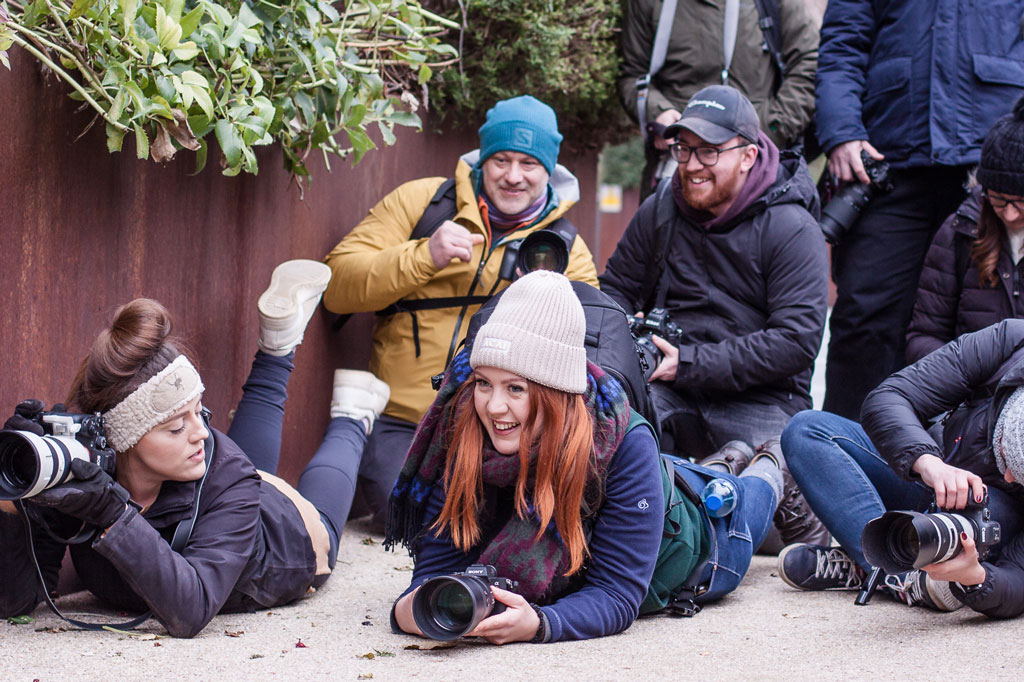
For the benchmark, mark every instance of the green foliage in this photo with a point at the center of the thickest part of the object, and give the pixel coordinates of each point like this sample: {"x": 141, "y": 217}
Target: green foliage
{"x": 561, "y": 51}
{"x": 177, "y": 74}
{"x": 622, "y": 164}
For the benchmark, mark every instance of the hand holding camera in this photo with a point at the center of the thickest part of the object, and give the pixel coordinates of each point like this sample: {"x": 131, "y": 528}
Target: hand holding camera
{"x": 451, "y": 606}
{"x": 646, "y": 328}
{"x": 953, "y": 487}
{"x": 91, "y": 496}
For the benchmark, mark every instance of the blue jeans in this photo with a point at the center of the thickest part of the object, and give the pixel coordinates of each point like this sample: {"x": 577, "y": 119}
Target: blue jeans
{"x": 735, "y": 537}
{"x": 329, "y": 479}
{"x": 692, "y": 427}
{"x": 847, "y": 483}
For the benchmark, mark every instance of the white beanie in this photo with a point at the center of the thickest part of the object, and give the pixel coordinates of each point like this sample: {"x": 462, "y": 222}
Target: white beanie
{"x": 536, "y": 331}
{"x": 1008, "y": 436}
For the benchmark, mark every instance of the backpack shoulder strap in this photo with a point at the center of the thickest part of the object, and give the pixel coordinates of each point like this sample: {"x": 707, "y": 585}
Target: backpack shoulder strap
{"x": 442, "y": 207}
{"x": 664, "y": 211}
{"x": 771, "y": 29}
{"x": 659, "y": 50}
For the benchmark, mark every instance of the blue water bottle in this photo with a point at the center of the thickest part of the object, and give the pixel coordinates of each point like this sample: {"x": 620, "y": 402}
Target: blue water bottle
{"x": 719, "y": 497}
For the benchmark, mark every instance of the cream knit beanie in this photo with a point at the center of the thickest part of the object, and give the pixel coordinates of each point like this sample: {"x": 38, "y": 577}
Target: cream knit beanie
{"x": 536, "y": 331}
{"x": 1008, "y": 436}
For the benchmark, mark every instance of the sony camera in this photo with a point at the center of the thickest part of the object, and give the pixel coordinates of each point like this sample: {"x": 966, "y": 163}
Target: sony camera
{"x": 545, "y": 249}
{"x": 30, "y": 464}
{"x": 449, "y": 606}
{"x": 657, "y": 322}
{"x": 899, "y": 541}
{"x": 840, "y": 214}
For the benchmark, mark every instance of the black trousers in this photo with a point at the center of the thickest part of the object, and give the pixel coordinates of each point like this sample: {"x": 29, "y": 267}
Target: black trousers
{"x": 876, "y": 267}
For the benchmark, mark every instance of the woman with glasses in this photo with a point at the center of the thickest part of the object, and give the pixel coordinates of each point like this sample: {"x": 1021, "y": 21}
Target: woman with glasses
{"x": 973, "y": 271}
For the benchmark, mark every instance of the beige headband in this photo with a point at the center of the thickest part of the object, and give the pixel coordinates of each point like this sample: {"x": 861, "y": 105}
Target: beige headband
{"x": 152, "y": 403}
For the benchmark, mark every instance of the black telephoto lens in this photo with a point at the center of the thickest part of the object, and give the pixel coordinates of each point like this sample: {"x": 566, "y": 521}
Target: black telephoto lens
{"x": 898, "y": 542}
{"x": 450, "y": 606}
{"x": 543, "y": 250}
{"x": 842, "y": 212}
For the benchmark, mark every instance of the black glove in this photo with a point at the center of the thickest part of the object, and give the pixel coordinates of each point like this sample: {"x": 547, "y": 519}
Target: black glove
{"x": 92, "y": 496}
{"x": 24, "y": 417}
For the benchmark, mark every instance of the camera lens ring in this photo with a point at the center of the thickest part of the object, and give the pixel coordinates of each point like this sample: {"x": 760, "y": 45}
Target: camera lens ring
{"x": 437, "y": 620}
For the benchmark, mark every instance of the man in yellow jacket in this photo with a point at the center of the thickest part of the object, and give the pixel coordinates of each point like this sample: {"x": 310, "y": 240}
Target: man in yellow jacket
{"x": 429, "y": 287}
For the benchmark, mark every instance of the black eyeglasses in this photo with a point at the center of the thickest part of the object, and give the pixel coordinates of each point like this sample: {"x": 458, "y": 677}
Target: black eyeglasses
{"x": 1003, "y": 202}
{"x": 708, "y": 156}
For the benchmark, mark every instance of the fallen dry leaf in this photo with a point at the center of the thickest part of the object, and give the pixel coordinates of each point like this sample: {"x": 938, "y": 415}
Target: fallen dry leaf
{"x": 361, "y": 676}
{"x": 368, "y": 541}
{"x": 300, "y": 645}
{"x": 234, "y": 633}
{"x": 368, "y": 656}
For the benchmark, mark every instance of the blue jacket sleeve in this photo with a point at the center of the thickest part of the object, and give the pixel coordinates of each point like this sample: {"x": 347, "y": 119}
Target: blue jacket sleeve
{"x": 623, "y": 547}
{"x": 847, "y": 35}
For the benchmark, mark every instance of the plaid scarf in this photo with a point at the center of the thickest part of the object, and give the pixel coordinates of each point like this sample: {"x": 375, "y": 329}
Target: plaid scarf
{"x": 538, "y": 565}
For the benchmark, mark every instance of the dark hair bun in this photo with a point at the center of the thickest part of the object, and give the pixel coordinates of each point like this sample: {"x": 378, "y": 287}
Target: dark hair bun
{"x": 134, "y": 348}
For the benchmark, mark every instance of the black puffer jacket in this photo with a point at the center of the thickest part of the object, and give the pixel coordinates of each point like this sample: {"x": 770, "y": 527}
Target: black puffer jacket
{"x": 249, "y": 548}
{"x": 950, "y": 302}
{"x": 749, "y": 295}
{"x": 988, "y": 362}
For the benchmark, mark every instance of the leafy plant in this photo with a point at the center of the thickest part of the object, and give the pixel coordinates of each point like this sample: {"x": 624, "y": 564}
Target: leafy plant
{"x": 251, "y": 72}
{"x": 563, "y": 52}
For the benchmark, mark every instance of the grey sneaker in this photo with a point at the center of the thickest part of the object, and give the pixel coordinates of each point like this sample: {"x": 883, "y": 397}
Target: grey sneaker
{"x": 916, "y": 588}
{"x": 793, "y": 517}
{"x": 818, "y": 567}
{"x": 732, "y": 457}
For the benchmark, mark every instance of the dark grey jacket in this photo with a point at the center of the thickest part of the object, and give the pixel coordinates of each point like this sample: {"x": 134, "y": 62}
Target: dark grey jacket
{"x": 749, "y": 295}
{"x": 950, "y": 301}
{"x": 249, "y": 549}
{"x": 974, "y": 376}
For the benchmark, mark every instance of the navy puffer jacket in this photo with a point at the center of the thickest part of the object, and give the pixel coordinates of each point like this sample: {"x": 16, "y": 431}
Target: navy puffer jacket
{"x": 950, "y": 302}
{"x": 922, "y": 80}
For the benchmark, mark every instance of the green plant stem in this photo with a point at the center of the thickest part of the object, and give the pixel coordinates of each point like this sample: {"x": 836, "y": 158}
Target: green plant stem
{"x": 83, "y": 64}
{"x": 28, "y": 47}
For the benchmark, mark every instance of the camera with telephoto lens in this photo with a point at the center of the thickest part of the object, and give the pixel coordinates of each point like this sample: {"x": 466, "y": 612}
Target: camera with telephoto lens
{"x": 449, "y": 606}
{"x": 840, "y": 214}
{"x": 899, "y": 541}
{"x": 656, "y": 322}
{"x": 545, "y": 249}
{"x": 30, "y": 464}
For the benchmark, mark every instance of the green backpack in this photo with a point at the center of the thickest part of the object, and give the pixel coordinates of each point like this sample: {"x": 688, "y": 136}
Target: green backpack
{"x": 677, "y": 558}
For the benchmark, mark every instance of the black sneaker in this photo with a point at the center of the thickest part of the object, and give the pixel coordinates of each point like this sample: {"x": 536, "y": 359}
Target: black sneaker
{"x": 732, "y": 457}
{"x": 793, "y": 517}
{"x": 915, "y": 588}
{"x": 819, "y": 567}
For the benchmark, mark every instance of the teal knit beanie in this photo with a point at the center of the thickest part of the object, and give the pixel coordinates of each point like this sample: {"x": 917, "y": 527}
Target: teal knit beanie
{"x": 522, "y": 124}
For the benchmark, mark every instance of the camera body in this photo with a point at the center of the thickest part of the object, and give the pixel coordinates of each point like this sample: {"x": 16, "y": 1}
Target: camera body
{"x": 899, "y": 541}
{"x": 840, "y": 214}
{"x": 30, "y": 464}
{"x": 656, "y": 322}
{"x": 449, "y": 606}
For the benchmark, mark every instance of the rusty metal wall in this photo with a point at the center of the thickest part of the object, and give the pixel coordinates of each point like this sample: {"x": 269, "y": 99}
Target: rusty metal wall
{"x": 83, "y": 231}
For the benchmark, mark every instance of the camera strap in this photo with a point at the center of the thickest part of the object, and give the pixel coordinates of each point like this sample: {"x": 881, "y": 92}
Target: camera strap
{"x": 182, "y": 533}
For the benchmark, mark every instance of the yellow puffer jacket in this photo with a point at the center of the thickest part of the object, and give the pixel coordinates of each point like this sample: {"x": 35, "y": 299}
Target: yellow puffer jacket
{"x": 377, "y": 264}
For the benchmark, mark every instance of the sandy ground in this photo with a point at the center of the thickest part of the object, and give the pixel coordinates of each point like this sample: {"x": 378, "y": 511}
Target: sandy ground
{"x": 764, "y": 630}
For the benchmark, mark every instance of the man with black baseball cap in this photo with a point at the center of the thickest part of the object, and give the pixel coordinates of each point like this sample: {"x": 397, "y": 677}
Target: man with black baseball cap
{"x": 730, "y": 247}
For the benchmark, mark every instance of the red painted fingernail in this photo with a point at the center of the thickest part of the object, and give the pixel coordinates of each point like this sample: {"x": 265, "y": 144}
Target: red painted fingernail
{"x": 963, "y": 535}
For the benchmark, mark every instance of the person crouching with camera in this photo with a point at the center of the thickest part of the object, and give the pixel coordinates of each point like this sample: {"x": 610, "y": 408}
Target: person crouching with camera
{"x": 187, "y": 524}
{"x": 524, "y": 471}
{"x": 852, "y": 475}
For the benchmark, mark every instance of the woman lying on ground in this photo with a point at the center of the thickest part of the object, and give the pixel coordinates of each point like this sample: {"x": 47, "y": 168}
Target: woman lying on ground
{"x": 852, "y": 475}
{"x": 973, "y": 274}
{"x": 256, "y": 542}
{"x": 526, "y": 462}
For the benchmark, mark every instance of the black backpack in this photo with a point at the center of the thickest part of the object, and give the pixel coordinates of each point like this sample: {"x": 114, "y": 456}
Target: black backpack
{"x": 609, "y": 343}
